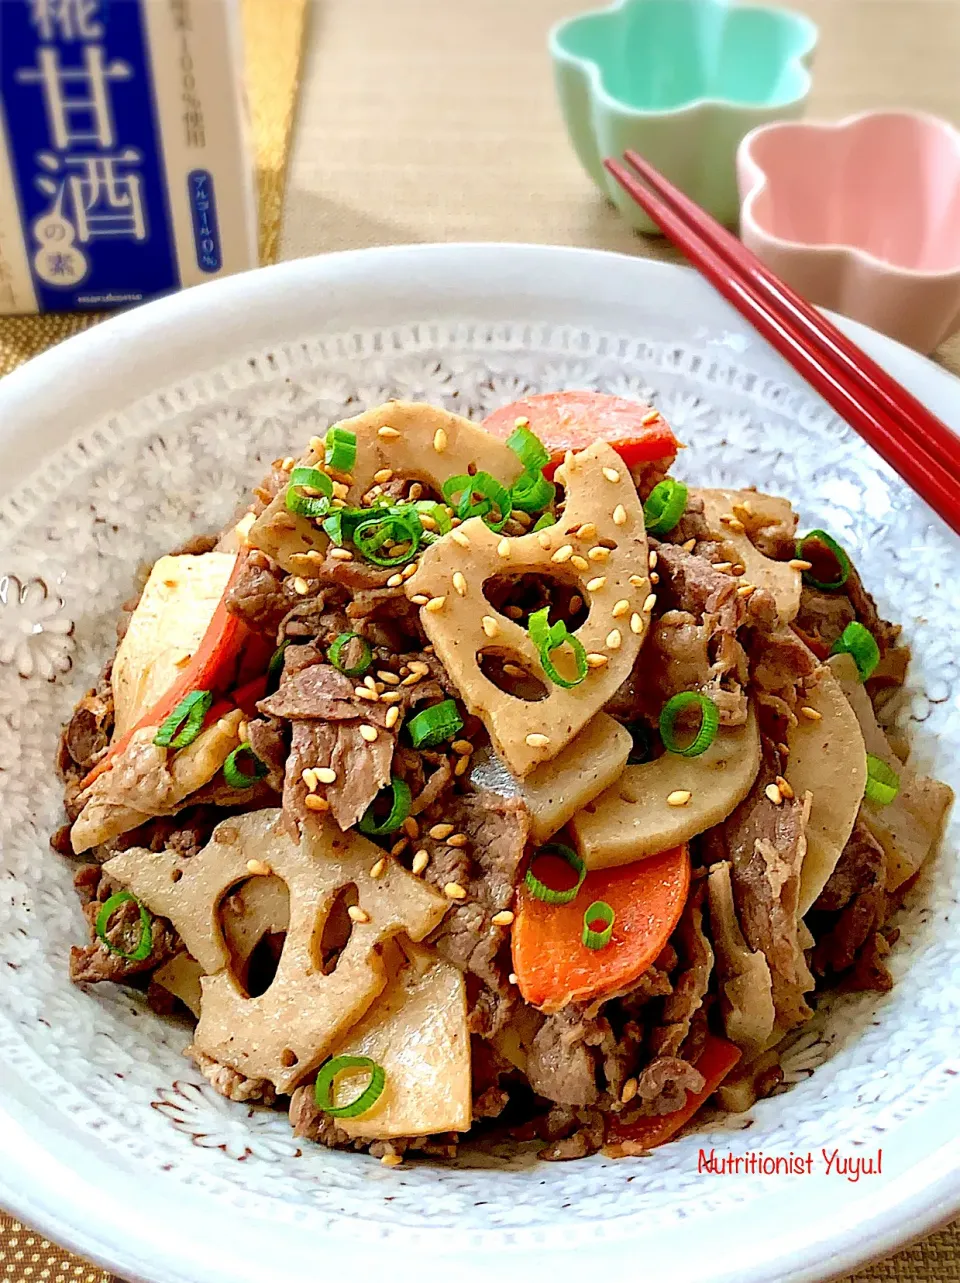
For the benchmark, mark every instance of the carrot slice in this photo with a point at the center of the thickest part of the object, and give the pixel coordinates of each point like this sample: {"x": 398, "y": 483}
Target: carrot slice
{"x": 573, "y": 420}
{"x": 554, "y": 967}
{"x": 715, "y": 1061}
{"x": 212, "y": 668}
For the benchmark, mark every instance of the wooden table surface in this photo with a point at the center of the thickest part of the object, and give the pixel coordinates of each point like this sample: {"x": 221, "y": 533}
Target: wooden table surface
{"x": 435, "y": 120}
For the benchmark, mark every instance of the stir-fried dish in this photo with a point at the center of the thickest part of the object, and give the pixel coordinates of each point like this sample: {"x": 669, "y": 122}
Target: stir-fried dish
{"x": 489, "y": 780}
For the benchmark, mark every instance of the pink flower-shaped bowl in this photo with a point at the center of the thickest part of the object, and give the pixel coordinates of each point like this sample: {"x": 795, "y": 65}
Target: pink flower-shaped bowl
{"x": 862, "y": 216}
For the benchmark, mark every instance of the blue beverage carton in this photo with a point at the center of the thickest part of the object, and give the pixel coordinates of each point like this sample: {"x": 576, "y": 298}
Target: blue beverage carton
{"x": 125, "y": 164}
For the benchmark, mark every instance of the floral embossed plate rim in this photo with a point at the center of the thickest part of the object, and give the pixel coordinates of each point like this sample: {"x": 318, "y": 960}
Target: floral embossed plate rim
{"x": 163, "y": 407}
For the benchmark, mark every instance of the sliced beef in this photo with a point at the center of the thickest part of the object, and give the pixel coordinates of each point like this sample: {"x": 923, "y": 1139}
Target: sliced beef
{"x": 362, "y": 769}
{"x": 663, "y": 1085}
{"x": 824, "y": 615}
{"x": 95, "y": 962}
{"x": 780, "y": 664}
{"x": 691, "y": 583}
{"x": 560, "y": 1065}
{"x": 692, "y": 982}
{"x": 270, "y": 743}
{"x": 228, "y": 1082}
{"x": 311, "y": 1123}
{"x": 852, "y": 906}
{"x": 647, "y": 473}
{"x": 261, "y": 594}
{"x": 570, "y": 1133}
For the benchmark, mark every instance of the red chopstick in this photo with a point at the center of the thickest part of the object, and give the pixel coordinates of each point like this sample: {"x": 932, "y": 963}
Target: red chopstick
{"x": 913, "y": 441}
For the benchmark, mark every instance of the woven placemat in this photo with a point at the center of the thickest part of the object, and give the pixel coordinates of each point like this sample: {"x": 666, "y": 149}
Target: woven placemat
{"x": 273, "y": 38}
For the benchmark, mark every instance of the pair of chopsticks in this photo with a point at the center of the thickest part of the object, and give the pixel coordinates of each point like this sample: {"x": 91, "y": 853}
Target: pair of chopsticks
{"x": 912, "y": 440}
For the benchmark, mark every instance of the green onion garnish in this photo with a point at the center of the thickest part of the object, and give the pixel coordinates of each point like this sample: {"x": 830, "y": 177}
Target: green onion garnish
{"x": 528, "y": 448}
{"x": 275, "y": 667}
{"x": 309, "y": 505}
{"x": 665, "y": 506}
{"x": 883, "y": 783}
{"x": 434, "y": 725}
{"x": 238, "y": 778}
{"x": 336, "y": 655}
{"x": 341, "y": 449}
{"x": 545, "y": 521}
{"x": 539, "y": 890}
{"x": 323, "y": 1089}
{"x": 401, "y": 529}
{"x": 709, "y": 721}
{"x": 189, "y": 714}
{"x": 842, "y": 560}
{"x": 332, "y": 526}
{"x": 460, "y": 492}
{"x": 430, "y": 508}
{"x": 401, "y": 797}
{"x": 859, "y": 642}
{"x": 144, "y": 944}
{"x": 642, "y": 743}
{"x": 532, "y": 493}
{"x": 599, "y": 911}
{"x": 550, "y": 637}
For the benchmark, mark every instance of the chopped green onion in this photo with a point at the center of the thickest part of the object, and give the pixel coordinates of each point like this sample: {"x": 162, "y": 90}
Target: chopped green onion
{"x": 237, "y": 778}
{"x": 599, "y": 911}
{"x": 326, "y": 1079}
{"x": 435, "y": 724}
{"x": 332, "y": 526}
{"x": 430, "y": 508}
{"x": 545, "y": 521}
{"x": 665, "y": 506}
{"x": 842, "y": 560}
{"x": 528, "y": 448}
{"x": 275, "y": 667}
{"x": 642, "y": 743}
{"x": 189, "y": 714}
{"x": 341, "y": 449}
{"x": 401, "y": 797}
{"x": 539, "y": 890}
{"x": 144, "y": 944}
{"x": 336, "y": 655}
{"x": 859, "y": 642}
{"x": 459, "y": 493}
{"x": 309, "y": 505}
{"x": 401, "y": 528}
{"x": 709, "y": 721}
{"x": 883, "y": 783}
{"x": 532, "y": 493}
{"x": 550, "y": 637}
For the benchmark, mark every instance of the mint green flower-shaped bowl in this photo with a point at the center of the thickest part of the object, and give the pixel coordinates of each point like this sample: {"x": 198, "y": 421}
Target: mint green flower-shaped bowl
{"x": 681, "y": 82}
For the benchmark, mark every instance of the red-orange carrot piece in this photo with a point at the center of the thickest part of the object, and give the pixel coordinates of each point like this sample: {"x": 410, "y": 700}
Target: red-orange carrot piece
{"x": 573, "y": 420}
{"x": 715, "y": 1061}
{"x": 211, "y": 668}
{"x": 552, "y": 964}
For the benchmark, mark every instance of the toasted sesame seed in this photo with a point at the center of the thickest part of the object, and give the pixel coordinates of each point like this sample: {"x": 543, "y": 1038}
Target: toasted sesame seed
{"x": 258, "y": 867}
{"x": 460, "y": 538}
{"x": 733, "y": 524}
{"x": 377, "y": 870}
{"x": 679, "y": 797}
{"x": 392, "y": 717}
{"x": 797, "y": 563}
{"x": 576, "y": 602}
{"x": 630, "y": 1088}
{"x": 370, "y": 683}
{"x": 243, "y": 731}
{"x": 410, "y": 569}
{"x": 636, "y": 623}
{"x": 595, "y": 660}
{"x": 598, "y": 553}
{"x": 563, "y": 554}
{"x": 391, "y": 697}
{"x": 543, "y": 539}
{"x": 503, "y": 548}
{"x": 300, "y": 586}
{"x": 579, "y": 563}
{"x": 636, "y": 581}
{"x": 568, "y": 459}
{"x": 513, "y": 670}
{"x": 416, "y": 492}
{"x": 391, "y": 1160}
{"x": 745, "y": 590}
{"x": 325, "y": 774}
{"x": 356, "y": 914}
{"x": 513, "y": 612}
{"x": 463, "y": 748}
{"x": 398, "y": 848}
{"x": 652, "y": 558}
{"x": 587, "y": 532}
{"x": 620, "y": 608}
{"x": 313, "y": 802}
{"x": 395, "y": 581}
{"x": 785, "y": 788}
{"x": 386, "y": 676}
{"x": 440, "y": 441}
{"x": 654, "y": 577}
{"x": 503, "y": 918}
{"x": 810, "y": 714}
{"x": 773, "y": 794}
{"x": 383, "y": 475}
{"x": 411, "y": 827}
{"x": 435, "y": 604}
{"x": 412, "y": 680}
{"x": 689, "y": 545}
{"x": 341, "y": 554}
{"x": 420, "y": 862}
{"x": 512, "y": 978}
{"x": 619, "y": 515}
{"x": 427, "y": 521}
{"x": 309, "y": 777}
{"x": 369, "y": 733}
{"x": 521, "y": 518}
{"x": 419, "y": 599}
{"x": 388, "y": 434}
{"x": 489, "y": 625}
{"x": 457, "y": 840}
{"x": 594, "y": 585}
{"x": 614, "y": 639}
{"x": 611, "y": 474}
{"x": 521, "y": 422}
{"x": 454, "y": 891}
{"x": 723, "y": 566}
{"x": 738, "y": 570}
{"x": 536, "y": 740}
{"x": 287, "y": 464}
{"x": 649, "y": 602}
{"x": 440, "y": 831}
{"x": 650, "y": 418}
{"x": 459, "y": 583}
{"x": 418, "y": 666}
{"x": 462, "y": 766}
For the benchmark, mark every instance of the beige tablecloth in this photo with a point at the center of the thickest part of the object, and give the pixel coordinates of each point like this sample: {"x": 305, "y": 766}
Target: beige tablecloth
{"x": 434, "y": 120}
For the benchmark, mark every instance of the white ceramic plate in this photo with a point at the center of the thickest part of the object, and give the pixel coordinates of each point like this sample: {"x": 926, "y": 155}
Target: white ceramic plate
{"x": 123, "y": 441}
